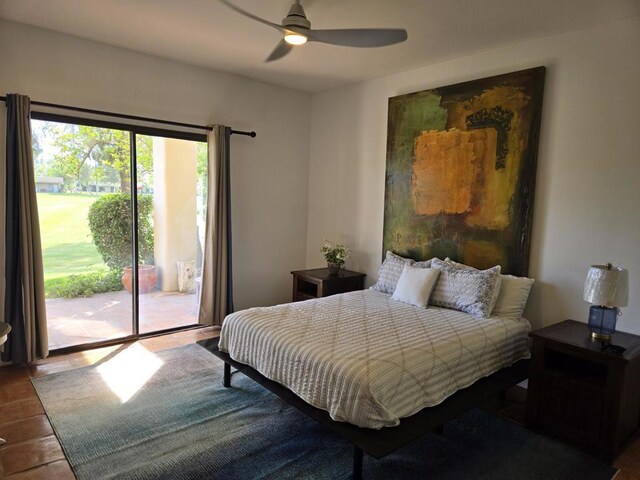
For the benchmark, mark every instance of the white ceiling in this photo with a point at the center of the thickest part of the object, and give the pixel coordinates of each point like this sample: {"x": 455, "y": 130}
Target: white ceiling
{"x": 208, "y": 34}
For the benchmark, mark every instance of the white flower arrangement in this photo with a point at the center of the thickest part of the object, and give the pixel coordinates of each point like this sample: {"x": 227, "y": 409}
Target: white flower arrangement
{"x": 334, "y": 253}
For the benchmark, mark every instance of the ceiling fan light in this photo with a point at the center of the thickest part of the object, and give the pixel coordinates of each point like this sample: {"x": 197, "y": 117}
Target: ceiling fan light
{"x": 295, "y": 38}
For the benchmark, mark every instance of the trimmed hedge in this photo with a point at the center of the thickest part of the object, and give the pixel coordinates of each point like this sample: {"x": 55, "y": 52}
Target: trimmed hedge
{"x": 110, "y": 224}
{"x": 85, "y": 285}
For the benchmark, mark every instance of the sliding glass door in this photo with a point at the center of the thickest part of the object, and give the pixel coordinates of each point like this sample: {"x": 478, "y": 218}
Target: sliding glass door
{"x": 171, "y": 183}
{"x": 103, "y": 189}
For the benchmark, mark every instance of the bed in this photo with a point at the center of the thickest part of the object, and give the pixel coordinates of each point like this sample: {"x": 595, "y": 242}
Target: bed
{"x": 377, "y": 371}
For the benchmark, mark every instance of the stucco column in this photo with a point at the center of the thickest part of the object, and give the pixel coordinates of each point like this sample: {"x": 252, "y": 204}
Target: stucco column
{"x": 174, "y": 201}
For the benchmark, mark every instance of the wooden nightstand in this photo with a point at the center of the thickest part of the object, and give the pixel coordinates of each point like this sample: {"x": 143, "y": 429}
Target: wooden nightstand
{"x": 582, "y": 394}
{"x": 318, "y": 283}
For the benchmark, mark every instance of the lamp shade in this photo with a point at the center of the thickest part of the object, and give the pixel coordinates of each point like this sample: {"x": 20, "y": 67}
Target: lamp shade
{"x": 607, "y": 285}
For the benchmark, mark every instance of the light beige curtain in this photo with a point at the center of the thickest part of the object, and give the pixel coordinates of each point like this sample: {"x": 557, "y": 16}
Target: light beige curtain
{"x": 216, "y": 294}
{"x": 24, "y": 304}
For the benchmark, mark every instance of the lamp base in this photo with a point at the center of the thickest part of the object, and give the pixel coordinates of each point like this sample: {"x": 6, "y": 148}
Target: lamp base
{"x": 600, "y": 337}
{"x": 602, "y": 322}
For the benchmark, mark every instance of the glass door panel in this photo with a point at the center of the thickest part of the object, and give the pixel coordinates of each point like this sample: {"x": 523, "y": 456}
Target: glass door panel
{"x": 83, "y": 185}
{"x": 171, "y": 178}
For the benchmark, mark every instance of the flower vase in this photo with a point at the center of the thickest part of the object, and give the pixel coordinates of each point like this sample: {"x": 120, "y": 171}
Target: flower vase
{"x": 334, "y": 268}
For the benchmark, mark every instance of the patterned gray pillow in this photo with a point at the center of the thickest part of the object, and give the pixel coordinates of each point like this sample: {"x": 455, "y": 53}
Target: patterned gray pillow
{"x": 496, "y": 290}
{"x": 391, "y": 269}
{"x": 469, "y": 291}
{"x": 390, "y": 272}
{"x": 423, "y": 264}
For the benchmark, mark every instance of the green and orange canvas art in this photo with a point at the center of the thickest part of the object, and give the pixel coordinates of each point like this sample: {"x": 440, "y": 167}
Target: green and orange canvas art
{"x": 461, "y": 164}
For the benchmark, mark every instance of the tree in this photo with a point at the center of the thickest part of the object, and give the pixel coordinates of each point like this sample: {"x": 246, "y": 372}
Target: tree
{"x": 203, "y": 159}
{"x": 105, "y": 150}
{"x": 85, "y": 174}
{"x": 105, "y": 174}
{"x": 85, "y": 155}
{"x": 144, "y": 160}
{"x": 36, "y": 146}
{"x": 202, "y": 169}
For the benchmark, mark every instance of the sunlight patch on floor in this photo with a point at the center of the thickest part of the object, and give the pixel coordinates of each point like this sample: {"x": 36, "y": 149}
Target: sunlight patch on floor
{"x": 94, "y": 356}
{"x": 129, "y": 371}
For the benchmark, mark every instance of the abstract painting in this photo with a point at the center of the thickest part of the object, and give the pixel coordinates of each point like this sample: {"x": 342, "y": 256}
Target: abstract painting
{"x": 461, "y": 165}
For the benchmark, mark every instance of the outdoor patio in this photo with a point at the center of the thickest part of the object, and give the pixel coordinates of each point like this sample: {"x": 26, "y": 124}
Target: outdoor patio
{"x": 106, "y": 316}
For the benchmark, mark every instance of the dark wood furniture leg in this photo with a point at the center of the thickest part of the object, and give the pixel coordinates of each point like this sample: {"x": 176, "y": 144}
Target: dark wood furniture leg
{"x": 358, "y": 457}
{"x": 226, "y": 381}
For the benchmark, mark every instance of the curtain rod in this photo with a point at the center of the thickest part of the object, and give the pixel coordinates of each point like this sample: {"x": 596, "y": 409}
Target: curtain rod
{"x": 251, "y": 134}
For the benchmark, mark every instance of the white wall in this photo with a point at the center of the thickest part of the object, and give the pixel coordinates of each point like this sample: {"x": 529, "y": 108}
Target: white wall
{"x": 269, "y": 173}
{"x": 587, "y": 199}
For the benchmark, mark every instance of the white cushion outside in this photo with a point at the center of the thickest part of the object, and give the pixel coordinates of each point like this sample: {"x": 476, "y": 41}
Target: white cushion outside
{"x": 514, "y": 292}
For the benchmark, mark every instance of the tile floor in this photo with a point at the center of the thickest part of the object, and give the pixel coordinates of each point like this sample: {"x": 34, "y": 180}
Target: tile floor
{"x": 107, "y": 316}
{"x": 32, "y": 451}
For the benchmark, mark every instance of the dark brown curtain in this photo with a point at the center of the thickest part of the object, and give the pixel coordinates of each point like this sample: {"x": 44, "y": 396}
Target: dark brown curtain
{"x": 24, "y": 305}
{"x": 216, "y": 298}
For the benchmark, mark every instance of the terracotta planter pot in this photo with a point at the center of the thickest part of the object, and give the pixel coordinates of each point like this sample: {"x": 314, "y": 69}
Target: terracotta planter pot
{"x": 147, "y": 278}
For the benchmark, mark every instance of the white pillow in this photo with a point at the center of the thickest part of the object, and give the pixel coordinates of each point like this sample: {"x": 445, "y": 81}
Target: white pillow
{"x": 467, "y": 290}
{"x": 496, "y": 290}
{"x": 415, "y": 285}
{"x": 514, "y": 293}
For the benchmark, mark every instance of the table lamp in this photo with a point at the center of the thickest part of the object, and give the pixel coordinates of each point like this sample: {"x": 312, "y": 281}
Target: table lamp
{"x": 607, "y": 288}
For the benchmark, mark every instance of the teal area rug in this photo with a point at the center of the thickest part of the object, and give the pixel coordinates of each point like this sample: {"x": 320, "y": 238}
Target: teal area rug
{"x": 165, "y": 415}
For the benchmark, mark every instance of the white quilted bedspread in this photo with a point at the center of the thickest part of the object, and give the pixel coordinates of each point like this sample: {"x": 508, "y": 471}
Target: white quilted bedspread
{"x": 370, "y": 360}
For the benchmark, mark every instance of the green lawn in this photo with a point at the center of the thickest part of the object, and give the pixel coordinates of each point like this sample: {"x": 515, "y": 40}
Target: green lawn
{"x": 67, "y": 248}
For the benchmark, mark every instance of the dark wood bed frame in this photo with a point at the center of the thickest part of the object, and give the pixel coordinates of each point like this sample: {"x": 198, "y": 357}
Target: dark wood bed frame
{"x": 380, "y": 443}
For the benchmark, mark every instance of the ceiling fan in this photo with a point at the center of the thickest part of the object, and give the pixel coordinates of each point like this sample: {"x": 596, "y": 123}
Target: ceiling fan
{"x": 297, "y": 31}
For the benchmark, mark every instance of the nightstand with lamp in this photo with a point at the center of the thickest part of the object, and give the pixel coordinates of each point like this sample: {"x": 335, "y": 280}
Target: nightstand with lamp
{"x": 584, "y": 385}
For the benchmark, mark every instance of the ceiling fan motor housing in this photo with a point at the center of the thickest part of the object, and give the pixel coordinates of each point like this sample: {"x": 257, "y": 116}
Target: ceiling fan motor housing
{"x": 296, "y": 30}
{"x": 296, "y": 17}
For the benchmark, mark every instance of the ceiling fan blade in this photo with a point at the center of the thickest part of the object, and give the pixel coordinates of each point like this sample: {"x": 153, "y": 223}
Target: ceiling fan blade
{"x": 359, "y": 37}
{"x": 252, "y": 16}
{"x": 280, "y": 51}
